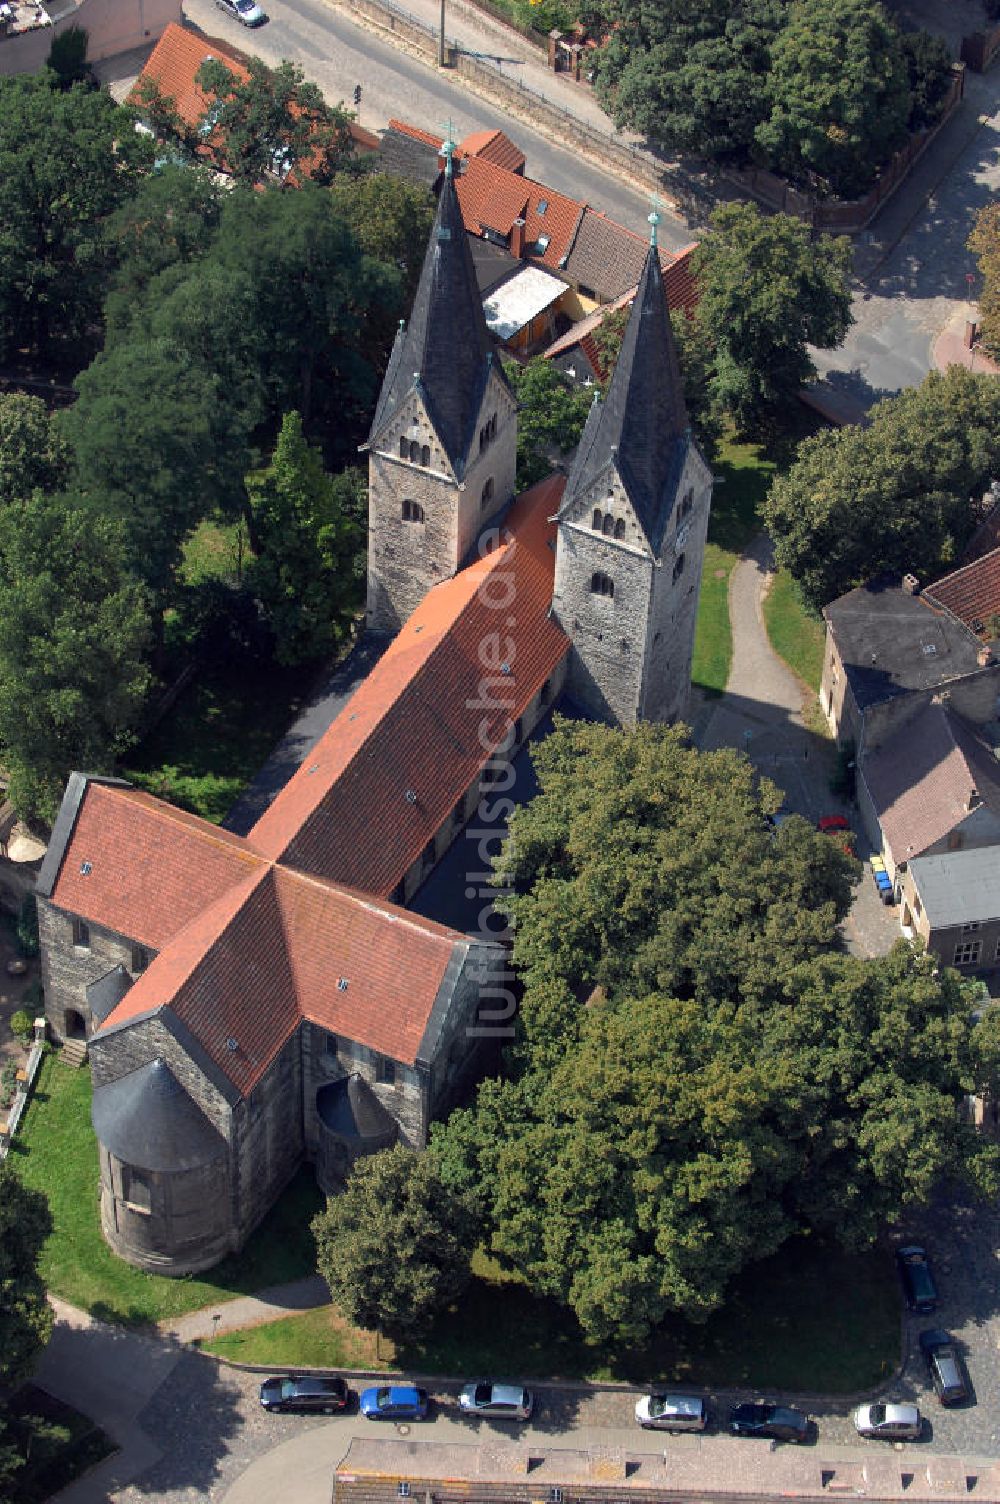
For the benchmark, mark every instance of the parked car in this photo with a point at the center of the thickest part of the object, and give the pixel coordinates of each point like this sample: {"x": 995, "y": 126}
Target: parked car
{"x": 501, "y": 1401}
{"x": 889, "y": 1422}
{"x": 917, "y": 1278}
{"x": 247, "y": 12}
{"x": 946, "y": 1369}
{"x": 840, "y": 828}
{"x": 308, "y": 1393}
{"x": 393, "y": 1402}
{"x": 767, "y": 1419}
{"x": 672, "y": 1412}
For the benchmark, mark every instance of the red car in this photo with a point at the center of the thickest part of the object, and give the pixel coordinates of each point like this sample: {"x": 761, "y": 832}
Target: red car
{"x": 832, "y": 822}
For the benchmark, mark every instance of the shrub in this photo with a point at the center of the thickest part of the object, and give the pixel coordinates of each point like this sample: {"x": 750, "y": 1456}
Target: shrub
{"x": 22, "y": 1024}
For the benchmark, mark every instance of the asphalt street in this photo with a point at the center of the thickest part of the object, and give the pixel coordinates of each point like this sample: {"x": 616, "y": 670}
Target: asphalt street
{"x": 338, "y": 55}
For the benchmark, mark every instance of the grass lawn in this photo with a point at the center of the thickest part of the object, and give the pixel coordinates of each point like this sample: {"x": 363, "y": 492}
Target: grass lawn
{"x": 743, "y": 476}
{"x": 797, "y": 634}
{"x": 775, "y": 1332}
{"x": 318, "y": 1339}
{"x": 56, "y": 1153}
{"x": 59, "y": 1449}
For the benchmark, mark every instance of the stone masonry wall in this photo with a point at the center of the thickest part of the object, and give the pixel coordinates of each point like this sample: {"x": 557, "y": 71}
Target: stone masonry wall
{"x": 269, "y": 1142}
{"x": 608, "y": 633}
{"x": 68, "y": 969}
{"x": 124, "y": 1050}
{"x": 674, "y": 603}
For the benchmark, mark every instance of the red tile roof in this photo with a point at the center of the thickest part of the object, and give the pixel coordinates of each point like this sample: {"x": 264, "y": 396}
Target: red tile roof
{"x": 248, "y": 947}
{"x": 429, "y": 138}
{"x": 492, "y": 198}
{"x": 387, "y": 774}
{"x": 971, "y": 593}
{"x": 493, "y": 146}
{"x": 176, "y": 864}
{"x": 173, "y": 66}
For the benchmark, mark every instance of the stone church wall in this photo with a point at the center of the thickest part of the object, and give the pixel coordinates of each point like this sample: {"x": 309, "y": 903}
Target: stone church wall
{"x": 406, "y": 558}
{"x": 608, "y": 633}
{"x": 68, "y": 969}
{"x": 268, "y": 1137}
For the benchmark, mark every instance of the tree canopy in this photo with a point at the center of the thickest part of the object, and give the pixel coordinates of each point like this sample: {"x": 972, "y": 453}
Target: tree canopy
{"x": 985, "y": 243}
{"x": 74, "y": 632}
{"x": 394, "y": 1246}
{"x": 767, "y": 291}
{"x": 551, "y": 415}
{"x": 33, "y": 454}
{"x": 309, "y": 539}
{"x": 899, "y": 496}
{"x": 68, "y": 159}
{"x": 699, "y": 1074}
{"x": 822, "y": 91}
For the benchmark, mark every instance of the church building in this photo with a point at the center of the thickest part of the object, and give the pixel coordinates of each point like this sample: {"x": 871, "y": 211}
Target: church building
{"x": 251, "y": 1002}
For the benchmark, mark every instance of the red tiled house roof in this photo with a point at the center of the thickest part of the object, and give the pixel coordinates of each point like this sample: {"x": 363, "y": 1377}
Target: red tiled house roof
{"x": 971, "y": 593}
{"x": 491, "y": 146}
{"x": 173, "y": 67}
{"x": 410, "y": 729}
{"x": 493, "y": 198}
{"x": 607, "y": 259}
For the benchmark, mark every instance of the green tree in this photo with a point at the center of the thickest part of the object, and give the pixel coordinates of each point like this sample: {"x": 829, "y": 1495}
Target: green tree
{"x": 898, "y": 496}
{"x": 310, "y": 539}
{"x": 25, "y": 1317}
{"x": 394, "y": 1246}
{"x": 68, "y": 159}
{"x": 700, "y": 1074}
{"x": 985, "y": 243}
{"x": 838, "y": 94}
{"x": 73, "y": 636}
{"x": 272, "y": 127}
{"x": 768, "y": 290}
{"x": 170, "y": 221}
{"x": 158, "y": 446}
{"x": 928, "y": 66}
{"x": 551, "y": 415}
{"x": 33, "y": 453}
{"x": 390, "y": 219}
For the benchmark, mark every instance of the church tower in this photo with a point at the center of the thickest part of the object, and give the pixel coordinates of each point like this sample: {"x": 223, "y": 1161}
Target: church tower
{"x": 443, "y": 443}
{"x": 631, "y": 533}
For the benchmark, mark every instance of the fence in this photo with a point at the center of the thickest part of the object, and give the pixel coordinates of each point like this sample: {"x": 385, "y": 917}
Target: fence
{"x": 840, "y": 215}
{"x": 17, "y": 1109}
{"x": 520, "y": 100}
{"x": 980, "y": 48}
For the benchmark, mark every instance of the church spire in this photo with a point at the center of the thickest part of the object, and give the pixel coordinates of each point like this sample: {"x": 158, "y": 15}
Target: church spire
{"x": 446, "y": 347}
{"x": 642, "y": 422}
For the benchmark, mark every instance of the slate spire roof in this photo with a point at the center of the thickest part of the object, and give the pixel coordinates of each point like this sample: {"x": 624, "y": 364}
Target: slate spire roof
{"x": 641, "y": 427}
{"x": 446, "y": 346}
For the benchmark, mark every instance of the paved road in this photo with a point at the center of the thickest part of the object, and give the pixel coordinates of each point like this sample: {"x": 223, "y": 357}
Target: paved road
{"x": 337, "y": 55}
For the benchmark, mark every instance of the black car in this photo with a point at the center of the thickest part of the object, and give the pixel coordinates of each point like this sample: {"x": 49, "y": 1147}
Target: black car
{"x": 308, "y": 1393}
{"x": 945, "y": 1367}
{"x": 767, "y": 1419}
{"x": 917, "y": 1279}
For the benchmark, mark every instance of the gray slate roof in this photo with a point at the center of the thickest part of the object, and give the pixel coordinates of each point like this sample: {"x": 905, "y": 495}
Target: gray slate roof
{"x": 104, "y": 995}
{"x": 447, "y": 345}
{"x": 642, "y": 425}
{"x": 148, "y": 1120}
{"x": 351, "y": 1109}
{"x": 891, "y": 642}
{"x": 959, "y": 887}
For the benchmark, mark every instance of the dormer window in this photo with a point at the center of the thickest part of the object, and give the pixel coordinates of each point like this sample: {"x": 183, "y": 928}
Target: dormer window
{"x": 602, "y": 584}
{"x": 487, "y": 495}
{"x": 687, "y": 502}
{"x": 678, "y": 567}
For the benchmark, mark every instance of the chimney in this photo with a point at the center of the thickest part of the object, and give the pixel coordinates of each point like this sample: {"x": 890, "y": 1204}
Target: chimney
{"x": 911, "y": 584}
{"x": 517, "y": 238}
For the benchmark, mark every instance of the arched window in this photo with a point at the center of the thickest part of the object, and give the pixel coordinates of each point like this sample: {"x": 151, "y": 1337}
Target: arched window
{"x": 598, "y": 520}
{"x": 609, "y": 525}
{"x": 415, "y": 451}
{"x": 404, "y": 448}
{"x": 678, "y": 567}
{"x": 425, "y": 455}
{"x": 602, "y": 584}
{"x": 487, "y": 495}
{"x": 412, "y": 511}
{"x": 620, "y": 528}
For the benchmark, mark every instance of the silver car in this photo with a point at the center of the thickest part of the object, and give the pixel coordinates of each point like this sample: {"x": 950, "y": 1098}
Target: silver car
{"x": 889, "y": 1422}
{"x": 245, "y": 11}
{"x": 672, "y": 1412}
{"x": 499, "y": 1401}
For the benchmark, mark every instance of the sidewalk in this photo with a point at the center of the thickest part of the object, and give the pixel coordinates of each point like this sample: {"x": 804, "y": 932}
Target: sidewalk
{"x": 247, "y": 1310}
{"x": 950, "y": 348}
